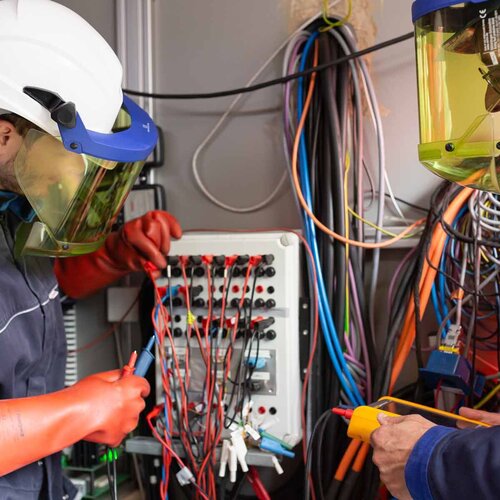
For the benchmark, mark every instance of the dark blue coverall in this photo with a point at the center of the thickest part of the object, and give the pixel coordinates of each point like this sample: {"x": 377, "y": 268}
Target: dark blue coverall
{"x": 455, "y": 464}
{"x": 32, "y": 347}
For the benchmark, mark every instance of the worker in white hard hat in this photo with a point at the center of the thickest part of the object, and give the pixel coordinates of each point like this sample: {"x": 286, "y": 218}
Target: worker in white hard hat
{"x": 71, "y": 148}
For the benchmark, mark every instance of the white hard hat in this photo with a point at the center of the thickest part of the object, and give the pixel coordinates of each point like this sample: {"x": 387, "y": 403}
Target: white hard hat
{"x": 46, "y": 45}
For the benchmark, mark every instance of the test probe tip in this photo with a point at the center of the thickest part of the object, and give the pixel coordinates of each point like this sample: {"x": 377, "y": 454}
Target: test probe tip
{"x": 343, "y": 412}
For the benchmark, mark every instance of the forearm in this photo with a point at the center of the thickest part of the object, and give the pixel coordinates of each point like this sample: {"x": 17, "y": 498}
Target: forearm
{"x": 32, "y": 428}
{"x": 461, "y": 465}
{"x": 466, "y": 465}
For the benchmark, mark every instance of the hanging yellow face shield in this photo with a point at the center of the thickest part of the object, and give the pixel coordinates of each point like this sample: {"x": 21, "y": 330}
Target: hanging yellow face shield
{"x": 458, "y": 63}
{"x": 76, "y": 197}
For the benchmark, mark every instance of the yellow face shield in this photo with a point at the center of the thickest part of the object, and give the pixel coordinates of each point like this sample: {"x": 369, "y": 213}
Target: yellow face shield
{"x": 458, "y": 62}
{"x": 76, "y": 197}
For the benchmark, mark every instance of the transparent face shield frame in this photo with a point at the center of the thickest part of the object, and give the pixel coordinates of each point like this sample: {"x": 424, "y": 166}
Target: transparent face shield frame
{"x": 463, "y": 157}
{"x": 76, "y": 196}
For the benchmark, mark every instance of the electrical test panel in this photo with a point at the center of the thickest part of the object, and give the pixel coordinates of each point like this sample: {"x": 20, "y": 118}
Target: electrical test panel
{"x": 264, "y": 383}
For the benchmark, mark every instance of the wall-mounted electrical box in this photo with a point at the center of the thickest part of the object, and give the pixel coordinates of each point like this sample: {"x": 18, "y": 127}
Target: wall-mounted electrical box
{"x": 271, "y": 305}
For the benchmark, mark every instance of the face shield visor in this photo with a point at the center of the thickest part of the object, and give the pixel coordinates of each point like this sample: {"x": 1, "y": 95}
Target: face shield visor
{"x": 458, "y": 67}
{"x": 77, "y": 183}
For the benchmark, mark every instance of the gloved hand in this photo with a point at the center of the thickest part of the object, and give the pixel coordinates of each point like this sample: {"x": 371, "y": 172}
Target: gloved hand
{"x": 117, "y": 401}
{"x": 124, "y": 251}
{"x": 102, "y": 408}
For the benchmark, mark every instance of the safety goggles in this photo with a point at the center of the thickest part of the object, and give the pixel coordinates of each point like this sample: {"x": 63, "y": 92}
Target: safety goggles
{"x": 77, "y": 183}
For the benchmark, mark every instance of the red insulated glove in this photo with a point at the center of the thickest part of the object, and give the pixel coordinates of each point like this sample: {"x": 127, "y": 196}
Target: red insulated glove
{"x": 124, "y": 396}
{"x": 102, "y": 408}
{"x": 124, "y": 251}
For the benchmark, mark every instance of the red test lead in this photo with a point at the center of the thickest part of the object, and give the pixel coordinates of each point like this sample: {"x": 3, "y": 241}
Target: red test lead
{"x": 343, "y": 412}
{"x": 128, "y": 369}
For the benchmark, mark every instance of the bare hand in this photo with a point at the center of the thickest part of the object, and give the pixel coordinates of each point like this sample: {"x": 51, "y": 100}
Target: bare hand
{"x": 392, "y": 444}
{"x": 482, "y": 416}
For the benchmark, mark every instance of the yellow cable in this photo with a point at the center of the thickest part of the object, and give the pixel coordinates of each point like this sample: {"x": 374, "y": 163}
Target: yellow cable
{"x": 336, "y": 24}
{"x": 372, "y": 224}
{"x": 346, "y": 223}
{"x": 487, "y": 397}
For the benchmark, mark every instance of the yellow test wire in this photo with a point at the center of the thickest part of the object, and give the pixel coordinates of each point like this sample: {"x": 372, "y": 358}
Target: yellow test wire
{"x": 336, "y": 24}
{"x": 346, "y": 223}
{"x": 487, "y": 398}
{"x": 381, "y": 229}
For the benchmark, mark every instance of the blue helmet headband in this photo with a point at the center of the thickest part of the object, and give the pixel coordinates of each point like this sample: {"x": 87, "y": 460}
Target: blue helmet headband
{"x": 135, "y": 143}
{"x": 422, "y": 7}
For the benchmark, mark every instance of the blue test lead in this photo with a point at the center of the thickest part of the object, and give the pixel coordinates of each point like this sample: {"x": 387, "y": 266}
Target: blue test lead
{"x": 145, "y": 359}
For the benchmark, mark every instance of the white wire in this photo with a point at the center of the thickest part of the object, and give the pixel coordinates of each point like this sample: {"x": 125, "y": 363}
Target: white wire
{"x": 194, "y": 164}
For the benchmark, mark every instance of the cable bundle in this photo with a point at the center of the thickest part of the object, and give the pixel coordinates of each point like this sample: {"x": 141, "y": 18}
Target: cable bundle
{"x": 323, "y": 119}
{"x": 454, "y": 268}
{"x": 191, "y": 422}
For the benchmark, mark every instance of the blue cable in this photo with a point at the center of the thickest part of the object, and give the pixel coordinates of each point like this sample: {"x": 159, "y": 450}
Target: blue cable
{"x": 441, "y": 295}
{"x": 328, "y": 327}
{"x": 437, "y": 311}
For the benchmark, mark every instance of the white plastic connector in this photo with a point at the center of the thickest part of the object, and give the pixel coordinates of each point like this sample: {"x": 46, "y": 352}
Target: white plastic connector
{"x": 291, "y": 439}
{"x": 233, "y": 464}
{"x": 185, "y": 476}
{"x": 224, "y": 457}
{"x": 269, "y": 423}
{"x": 277, "y": 465}
{"x": 252, "y": 432}
{"x": 241, "y": 449}
{"x": 246, "y": 409}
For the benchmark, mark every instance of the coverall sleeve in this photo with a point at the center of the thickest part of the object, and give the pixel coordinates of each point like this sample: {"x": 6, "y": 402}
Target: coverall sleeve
{"x": 459, "y": 464}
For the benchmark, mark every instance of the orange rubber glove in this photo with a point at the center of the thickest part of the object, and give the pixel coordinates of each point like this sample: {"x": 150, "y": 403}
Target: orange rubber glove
{"x": 101, "y": 408}
{"x": 124, "y": 251}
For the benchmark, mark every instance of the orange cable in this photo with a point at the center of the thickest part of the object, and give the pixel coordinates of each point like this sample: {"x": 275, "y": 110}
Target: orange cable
{"x": 347, "y": 459}
{"x": 429, "y": 272}
{"x": 361, "y": 457}
{"x": 317, "y": 222}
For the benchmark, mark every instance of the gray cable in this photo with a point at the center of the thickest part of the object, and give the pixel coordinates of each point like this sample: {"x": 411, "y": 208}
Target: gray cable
{"x": 374, "y": 109}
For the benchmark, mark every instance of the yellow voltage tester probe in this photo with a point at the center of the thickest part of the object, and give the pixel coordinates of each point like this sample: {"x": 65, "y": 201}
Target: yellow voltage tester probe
{"x": 363, "y": 420}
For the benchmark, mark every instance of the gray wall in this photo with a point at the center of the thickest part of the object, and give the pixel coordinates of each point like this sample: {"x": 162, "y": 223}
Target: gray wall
{"x": 210, "y": 46}
{"x": 203, "y": 46}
